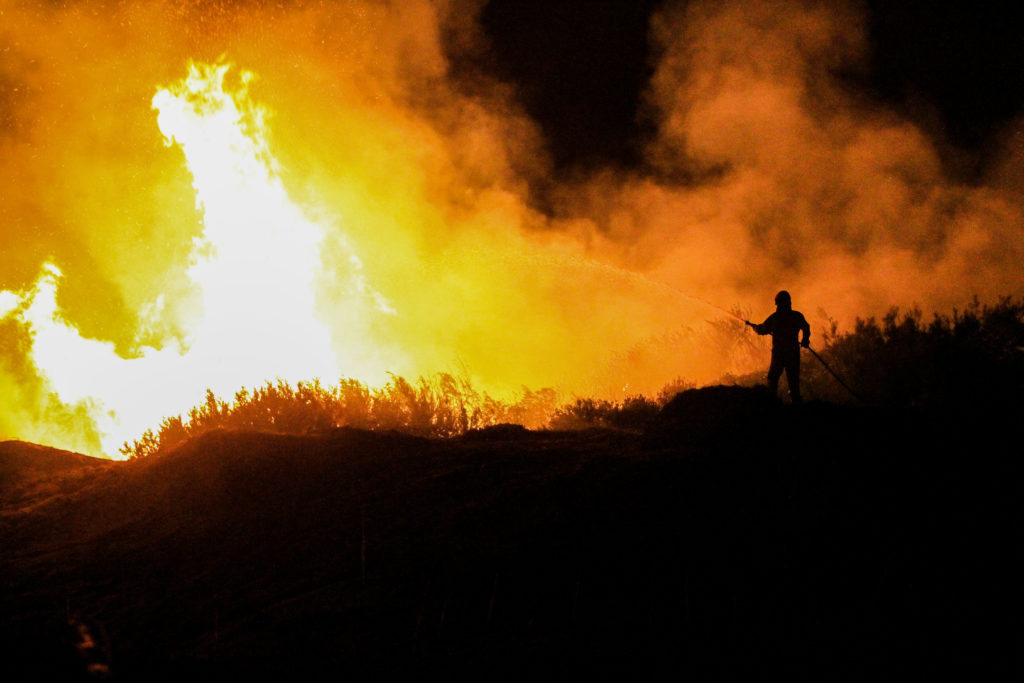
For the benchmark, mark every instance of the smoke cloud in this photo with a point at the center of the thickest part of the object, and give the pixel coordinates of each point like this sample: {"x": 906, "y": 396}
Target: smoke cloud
{"x": 765, "y": 173}
{"x": 793, "y": 181}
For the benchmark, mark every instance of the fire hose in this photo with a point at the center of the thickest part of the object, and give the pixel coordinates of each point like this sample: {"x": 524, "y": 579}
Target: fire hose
{"x": 834, "y": 374}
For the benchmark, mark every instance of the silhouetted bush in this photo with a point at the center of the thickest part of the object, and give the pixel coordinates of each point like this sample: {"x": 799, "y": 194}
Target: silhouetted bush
{"x": 633, "y": 413}
{"x": 968, "y": 361}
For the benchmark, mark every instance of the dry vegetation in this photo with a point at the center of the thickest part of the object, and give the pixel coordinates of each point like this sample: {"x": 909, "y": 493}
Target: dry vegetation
{"x": 440, "y": 406}
{"x": 968, "y": 361}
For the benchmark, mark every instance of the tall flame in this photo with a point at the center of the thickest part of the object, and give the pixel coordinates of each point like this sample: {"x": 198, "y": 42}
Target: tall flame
{"x": 259, "y": 253}
{"x": 253, "y": 267}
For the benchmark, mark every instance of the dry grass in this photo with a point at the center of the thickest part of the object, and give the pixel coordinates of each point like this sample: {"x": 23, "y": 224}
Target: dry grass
{"x": 443, "y": 405}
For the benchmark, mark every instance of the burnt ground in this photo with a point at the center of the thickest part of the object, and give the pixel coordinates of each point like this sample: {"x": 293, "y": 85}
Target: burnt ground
{"x": 736, "y": 538}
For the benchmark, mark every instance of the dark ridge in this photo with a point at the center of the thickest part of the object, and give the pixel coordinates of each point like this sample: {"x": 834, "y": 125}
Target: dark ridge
{"x": 737, "y": 539}
{"x": 19, "y": 460}
{"x": 712, "y": 409}
{"x": 31, "y": 475}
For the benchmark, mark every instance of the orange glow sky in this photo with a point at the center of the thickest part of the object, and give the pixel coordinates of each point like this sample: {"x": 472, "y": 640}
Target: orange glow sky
{"x": 388, "y": 226}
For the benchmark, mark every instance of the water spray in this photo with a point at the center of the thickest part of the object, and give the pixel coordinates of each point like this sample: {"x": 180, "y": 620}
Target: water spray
{"x": 691, "y": 297}
{"x": 708, "y": 303}
{"x": 639, "y": 277}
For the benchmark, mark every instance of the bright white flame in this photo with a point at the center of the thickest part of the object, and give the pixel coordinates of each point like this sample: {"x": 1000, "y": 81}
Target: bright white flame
{"x": 254, "y": 267}
{"x": 259, "y": 254}
{"x": 80, "y": 369}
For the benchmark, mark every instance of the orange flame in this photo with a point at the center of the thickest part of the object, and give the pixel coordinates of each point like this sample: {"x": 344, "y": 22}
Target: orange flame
{"x": 253, "y": 268}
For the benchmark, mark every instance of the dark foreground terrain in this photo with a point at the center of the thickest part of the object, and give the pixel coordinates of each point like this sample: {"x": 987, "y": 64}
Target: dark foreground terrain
{"x": 736, "y": 538}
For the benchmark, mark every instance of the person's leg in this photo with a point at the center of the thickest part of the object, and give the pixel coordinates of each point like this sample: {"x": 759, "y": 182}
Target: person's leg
{"x": 793, "y": 378}
{"x": 774, "y": 372}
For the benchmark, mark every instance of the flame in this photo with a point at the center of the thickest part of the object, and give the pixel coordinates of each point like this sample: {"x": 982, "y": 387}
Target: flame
{"x": 277, "y": 291}
{"x": 258, "y": 257}
{"x": 253, "y": 269}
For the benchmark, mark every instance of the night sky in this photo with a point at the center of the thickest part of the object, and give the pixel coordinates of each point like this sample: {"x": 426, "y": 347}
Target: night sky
{"x": 956, "y": 70}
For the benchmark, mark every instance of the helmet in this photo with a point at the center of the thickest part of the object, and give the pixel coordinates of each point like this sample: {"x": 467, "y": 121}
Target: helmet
{"x": 783, "y": 299}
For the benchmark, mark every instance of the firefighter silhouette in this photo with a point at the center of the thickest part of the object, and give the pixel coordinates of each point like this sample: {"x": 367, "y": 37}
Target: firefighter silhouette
{"x": 785, "y": 326}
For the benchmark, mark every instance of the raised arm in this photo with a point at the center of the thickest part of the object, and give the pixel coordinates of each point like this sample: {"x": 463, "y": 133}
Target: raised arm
{"x": 765, "y": 327}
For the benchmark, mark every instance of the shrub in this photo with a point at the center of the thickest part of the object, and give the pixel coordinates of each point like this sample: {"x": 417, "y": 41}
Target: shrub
{"x": 633, "y": 413}
{"x": 970, "y": 360}
{"x": 439, "y": 406}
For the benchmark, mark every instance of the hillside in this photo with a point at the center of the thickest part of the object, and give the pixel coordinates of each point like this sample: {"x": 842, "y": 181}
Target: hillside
{"x": 737, "y": 537}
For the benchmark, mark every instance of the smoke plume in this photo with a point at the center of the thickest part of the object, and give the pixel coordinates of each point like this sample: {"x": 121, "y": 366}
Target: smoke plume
{"x": 793, "y": 181}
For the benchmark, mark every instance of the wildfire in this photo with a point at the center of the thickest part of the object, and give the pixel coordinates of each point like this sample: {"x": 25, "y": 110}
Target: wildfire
{"x": 367, "y": 205}
{"x": 253, "y": 269}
